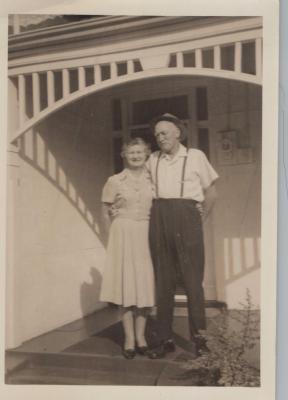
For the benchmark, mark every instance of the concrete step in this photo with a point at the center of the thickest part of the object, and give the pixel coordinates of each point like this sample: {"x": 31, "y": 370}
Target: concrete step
{"x": 83, "y": 369}
{"x": 75, "y": 369}
{"x": 76, "y": 376}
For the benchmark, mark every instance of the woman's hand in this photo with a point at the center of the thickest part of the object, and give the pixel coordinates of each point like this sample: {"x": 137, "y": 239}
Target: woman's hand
{"x": 114, "y": 208}
{"x": 113, "y": 211}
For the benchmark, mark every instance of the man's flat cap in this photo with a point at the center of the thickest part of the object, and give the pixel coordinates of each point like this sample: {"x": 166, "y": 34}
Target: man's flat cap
{"x": 170, "y": 118}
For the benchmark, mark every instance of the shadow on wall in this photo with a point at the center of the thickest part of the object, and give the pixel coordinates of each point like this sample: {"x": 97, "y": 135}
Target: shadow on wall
{"x": 237, "y": 237}
{"x": 241, "y": 256}
{"x": 70, "y": 150}
{"x": 89, "y": 296}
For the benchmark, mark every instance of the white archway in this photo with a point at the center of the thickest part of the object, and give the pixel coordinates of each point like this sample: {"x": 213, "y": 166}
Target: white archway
{"x": 111, "y": 73}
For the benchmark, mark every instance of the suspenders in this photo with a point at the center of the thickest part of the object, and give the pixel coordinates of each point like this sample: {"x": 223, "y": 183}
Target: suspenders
{"x": 182, "y": 175}
{"x": 156, "y": 175}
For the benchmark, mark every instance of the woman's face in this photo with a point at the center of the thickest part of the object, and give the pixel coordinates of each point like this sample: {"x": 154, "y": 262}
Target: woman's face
{"x": 135, "y": 156}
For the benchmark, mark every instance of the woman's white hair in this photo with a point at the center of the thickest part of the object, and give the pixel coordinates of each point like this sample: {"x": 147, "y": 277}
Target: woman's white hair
{"x": 134, "y": 142}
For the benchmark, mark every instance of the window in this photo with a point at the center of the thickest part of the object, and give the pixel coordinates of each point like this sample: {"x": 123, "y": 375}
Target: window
{"x": 144, "y": 111}
{"x": 117, "y": 158}
{"x": 201, "y": 104}
{"x": 147, "y": 135}
{"x": 116, "y": 115}
{"x": 203, "y": 141}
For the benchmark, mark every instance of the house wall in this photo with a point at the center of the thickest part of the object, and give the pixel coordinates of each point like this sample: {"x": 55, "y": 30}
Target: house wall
{"x": 237, "y": 214}
{"x": 63, "y": 165}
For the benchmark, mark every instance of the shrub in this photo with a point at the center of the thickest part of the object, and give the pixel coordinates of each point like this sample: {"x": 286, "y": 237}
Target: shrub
{"x": 231, "y": 336}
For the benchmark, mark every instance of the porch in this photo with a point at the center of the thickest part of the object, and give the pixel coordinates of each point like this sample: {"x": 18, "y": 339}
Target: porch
{"x": 88, "y": 352}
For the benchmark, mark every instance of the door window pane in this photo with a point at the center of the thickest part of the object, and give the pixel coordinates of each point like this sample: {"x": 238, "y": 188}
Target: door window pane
{"x": 145, "y": 134}
{"x": 116, "y": 115}
{"x": 144, "y": 111}
{"x": 201, "y": 104}
{"x": 203, "y": 141}
{"x": 117, "y": 159}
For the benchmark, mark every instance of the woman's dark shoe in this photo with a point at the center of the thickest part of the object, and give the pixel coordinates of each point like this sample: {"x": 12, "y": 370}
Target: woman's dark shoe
{"x": 142, "y": 350}
{"x": 129, "y": 353}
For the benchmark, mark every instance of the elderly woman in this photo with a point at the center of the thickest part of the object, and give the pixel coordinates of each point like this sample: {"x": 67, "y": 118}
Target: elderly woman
{"x": 128, "y": 278}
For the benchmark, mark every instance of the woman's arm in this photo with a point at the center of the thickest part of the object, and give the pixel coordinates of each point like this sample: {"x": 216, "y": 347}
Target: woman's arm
{"x": 106, "y": 219}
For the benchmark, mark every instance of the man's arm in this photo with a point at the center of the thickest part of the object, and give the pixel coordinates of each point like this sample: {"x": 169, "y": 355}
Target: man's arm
{"x": 210, "y": 198}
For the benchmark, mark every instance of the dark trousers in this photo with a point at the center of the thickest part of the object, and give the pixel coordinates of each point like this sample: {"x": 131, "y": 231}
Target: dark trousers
{"x": 176, "y": 243}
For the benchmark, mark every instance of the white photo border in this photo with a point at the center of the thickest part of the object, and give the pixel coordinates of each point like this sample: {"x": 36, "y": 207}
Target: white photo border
{"x": 269, "y": 10}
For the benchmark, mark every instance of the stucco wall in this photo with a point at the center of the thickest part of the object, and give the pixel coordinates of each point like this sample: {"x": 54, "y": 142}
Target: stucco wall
{"x": 237, "y": 214}
{"x": 64, "y": 163}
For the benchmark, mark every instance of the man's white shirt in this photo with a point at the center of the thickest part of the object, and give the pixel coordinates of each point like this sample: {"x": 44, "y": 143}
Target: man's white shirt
{"x": 199, "y": 174}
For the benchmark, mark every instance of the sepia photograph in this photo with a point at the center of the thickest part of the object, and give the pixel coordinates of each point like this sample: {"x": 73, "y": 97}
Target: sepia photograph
{"x": 134, "y": 200}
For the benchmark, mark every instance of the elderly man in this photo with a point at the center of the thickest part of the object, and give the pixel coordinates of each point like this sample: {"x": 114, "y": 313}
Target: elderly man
{"x": 184, "y": 194}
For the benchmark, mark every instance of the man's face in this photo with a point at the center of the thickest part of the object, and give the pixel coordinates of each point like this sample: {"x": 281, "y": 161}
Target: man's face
{"x": 168, "y": 136}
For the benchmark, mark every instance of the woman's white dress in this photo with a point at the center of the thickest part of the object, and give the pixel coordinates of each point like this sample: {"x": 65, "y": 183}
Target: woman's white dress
{"x": 128, "y": 277}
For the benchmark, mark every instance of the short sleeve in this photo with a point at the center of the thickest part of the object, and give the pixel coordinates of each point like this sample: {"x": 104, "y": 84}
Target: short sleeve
{"x": 109, "y": 191}
{"x": 205, "y": 170}
{"x": 148, "y": 164}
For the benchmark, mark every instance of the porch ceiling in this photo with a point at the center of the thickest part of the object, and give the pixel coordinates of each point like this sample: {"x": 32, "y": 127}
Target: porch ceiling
{"x": 108, "y": 29}
{"x": 94, "y": 28}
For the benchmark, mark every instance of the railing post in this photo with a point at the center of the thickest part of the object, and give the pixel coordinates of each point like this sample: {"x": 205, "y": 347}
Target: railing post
{"x": 179, "y": 60}
{"x": 36, "y": 93}
{"x": 81, "y": 77}
{"x": 50, "y": 88}
{"x": 66, "y": 82}
{"x": 258, "y": 57}
{"x": 238, "y": 57}
{"x": 130, "y": 67}
{"x": 97, "y": 74}
{"x": 22, "y": 99}
{"x": 113, "y": 68}
{"x": 217, "y": 57}
{"x": 198, "y": 58}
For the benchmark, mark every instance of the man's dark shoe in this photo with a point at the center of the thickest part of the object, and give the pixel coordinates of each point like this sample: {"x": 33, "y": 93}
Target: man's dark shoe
{"x": 192, "y": 348}
{"x": 167, "y": 346}
{"x": 201, "y": 344}
{"x": 157, "y": 352}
